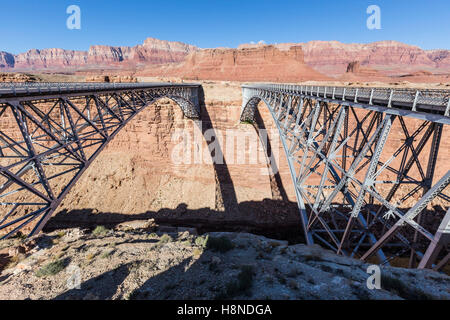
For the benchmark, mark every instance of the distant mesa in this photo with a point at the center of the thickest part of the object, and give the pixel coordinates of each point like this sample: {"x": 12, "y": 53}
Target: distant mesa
{"x": 315, "y": 60}
{"x": 153, "y": 51}
{"x": 262, "y": 63}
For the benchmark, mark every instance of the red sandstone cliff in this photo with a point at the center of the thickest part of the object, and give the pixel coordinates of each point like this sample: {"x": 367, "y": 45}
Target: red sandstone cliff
{"x": 356, "y": 72}
{"x": 6, "y": 60}
{"x": 332, "y": 57}
{"x": 254, "y": 64}
{"x": 153, "y": 51}
{"x": 390, "y": 57}
{"x": 257, "y": 62}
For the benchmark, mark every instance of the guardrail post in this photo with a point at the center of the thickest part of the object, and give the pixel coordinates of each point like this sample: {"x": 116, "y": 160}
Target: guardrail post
{"x": 371, "y": 97}
{"x": 390, "y": 99}
{"x": 415, "y": 100}
{"x": 447, "y": 111}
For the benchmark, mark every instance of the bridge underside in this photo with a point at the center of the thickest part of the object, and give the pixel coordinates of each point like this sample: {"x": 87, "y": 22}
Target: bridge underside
{"x": 48, "y": 140}
{"x": 366, "y": 174}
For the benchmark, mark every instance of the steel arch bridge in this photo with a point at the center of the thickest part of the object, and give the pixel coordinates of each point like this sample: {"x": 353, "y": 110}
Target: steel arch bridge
{"x": 52, "y": 132}
{"x": 363, "y": 162}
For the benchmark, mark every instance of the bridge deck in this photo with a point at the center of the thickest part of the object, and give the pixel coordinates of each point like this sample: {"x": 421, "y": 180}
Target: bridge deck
{"x": 8, "y": 90}
{"x": 415, "y": 100}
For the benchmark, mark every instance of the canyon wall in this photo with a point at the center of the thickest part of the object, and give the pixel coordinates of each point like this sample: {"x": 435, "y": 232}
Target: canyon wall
{"x": 6, "y": 60}
{"x": 136, "y": 176}
{"x": 390, "y": 57}
{"x": 287, "y": 62}
{"x": 267, "y": 63}
{"x": 151, "y": 52}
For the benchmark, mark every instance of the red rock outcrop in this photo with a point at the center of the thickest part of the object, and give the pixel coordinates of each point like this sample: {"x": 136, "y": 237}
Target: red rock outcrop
{"x": 17, "y": 77}
{"x": 153, "y": 51}
{"x": 266, "y": 63}
{"x": 111, "y": 79}
{"x": 49, "y": 59}
{"x": 6, "y": 60}
{"x": 387, "y": 57}
{"x": 356, "y": 72}
{"x": 332, "y": 57}
{"x": 281, "y": 62}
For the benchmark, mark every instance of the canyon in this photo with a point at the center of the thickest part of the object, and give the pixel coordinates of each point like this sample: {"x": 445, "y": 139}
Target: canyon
{"x": 287, "y": 62}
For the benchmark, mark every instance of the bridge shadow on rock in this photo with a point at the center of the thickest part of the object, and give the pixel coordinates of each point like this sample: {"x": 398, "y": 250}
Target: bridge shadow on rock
{"x": 187, "y": 280}
{"x": 204, "y": 277}
{"x": 276, "y": 185}
{"x": 273, "y": 218}
{"x": 226, "y": 198}
{"x": 102, "y": 287}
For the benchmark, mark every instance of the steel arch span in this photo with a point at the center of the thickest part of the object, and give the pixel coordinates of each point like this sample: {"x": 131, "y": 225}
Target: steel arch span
{"x": 366, "y": 168}
{"x": 51, "y": 133}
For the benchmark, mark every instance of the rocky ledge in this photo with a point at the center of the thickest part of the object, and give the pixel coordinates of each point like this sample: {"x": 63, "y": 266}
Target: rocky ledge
{"x": 140, "y": 260}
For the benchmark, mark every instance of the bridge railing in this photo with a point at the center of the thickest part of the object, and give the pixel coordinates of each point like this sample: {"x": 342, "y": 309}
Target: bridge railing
{"x": 18, "y": 89}
{"x": 428, "y": 99}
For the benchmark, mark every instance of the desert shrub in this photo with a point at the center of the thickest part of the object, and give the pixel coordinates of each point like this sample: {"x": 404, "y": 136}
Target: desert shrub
{"x": 14, "y": 261}
{"x": 201, "y": 241}
{"x": 398, "y": 287}
{"x": 222, "y": 244}
{"x": 100, "y": 231}
{"x": 61, "y": 234}
{"x": 51, "y": 269}
{"x": 107, "y": 254}
{"x": 165, "y": 238}
{"x": 313, "y": 256}
{"x": 243, "y": 285}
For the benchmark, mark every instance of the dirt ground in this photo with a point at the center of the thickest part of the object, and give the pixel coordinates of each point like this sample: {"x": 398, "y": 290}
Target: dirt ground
{"x": 133, "y": 262}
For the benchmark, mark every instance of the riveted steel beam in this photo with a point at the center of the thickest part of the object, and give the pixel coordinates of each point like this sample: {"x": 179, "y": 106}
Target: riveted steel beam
{"x": 63, "y": 128}
{"x": 353, "y": 177}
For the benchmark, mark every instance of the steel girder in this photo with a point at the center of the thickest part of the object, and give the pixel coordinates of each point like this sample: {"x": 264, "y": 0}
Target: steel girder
{"x": 51, "y": 133}
{"x": 363, "y": 162}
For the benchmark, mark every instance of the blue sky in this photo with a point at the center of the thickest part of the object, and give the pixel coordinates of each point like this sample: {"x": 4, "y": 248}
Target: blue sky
{"x": 26, "y": 24}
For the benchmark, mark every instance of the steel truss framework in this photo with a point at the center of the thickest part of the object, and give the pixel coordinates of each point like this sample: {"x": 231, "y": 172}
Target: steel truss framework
{"x": 51, "y": 133}
{"x": 363, "y": 163}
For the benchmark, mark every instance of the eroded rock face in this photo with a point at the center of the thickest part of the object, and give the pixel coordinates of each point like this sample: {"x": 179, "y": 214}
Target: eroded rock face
{"x": 111, "y": 79}
{"x": 286, "y": 62}
{"x": 16, "y": 77}
{"x": 332, "y": 57}
{"x": 356, "y": 72}
{"x": 49, "y": 58}
{"x": 6, "y": 60}
{"x": 151, "y": 52}
{"x": 266, "y": 63}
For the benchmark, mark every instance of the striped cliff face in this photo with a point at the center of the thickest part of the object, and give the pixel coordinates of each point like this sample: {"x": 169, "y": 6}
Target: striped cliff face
{"x": 153, "y": 51}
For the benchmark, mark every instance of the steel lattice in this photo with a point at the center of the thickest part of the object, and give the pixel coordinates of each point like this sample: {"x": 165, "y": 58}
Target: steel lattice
{"x": 51, "y": 133}
{"x": 363, "y": 163}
